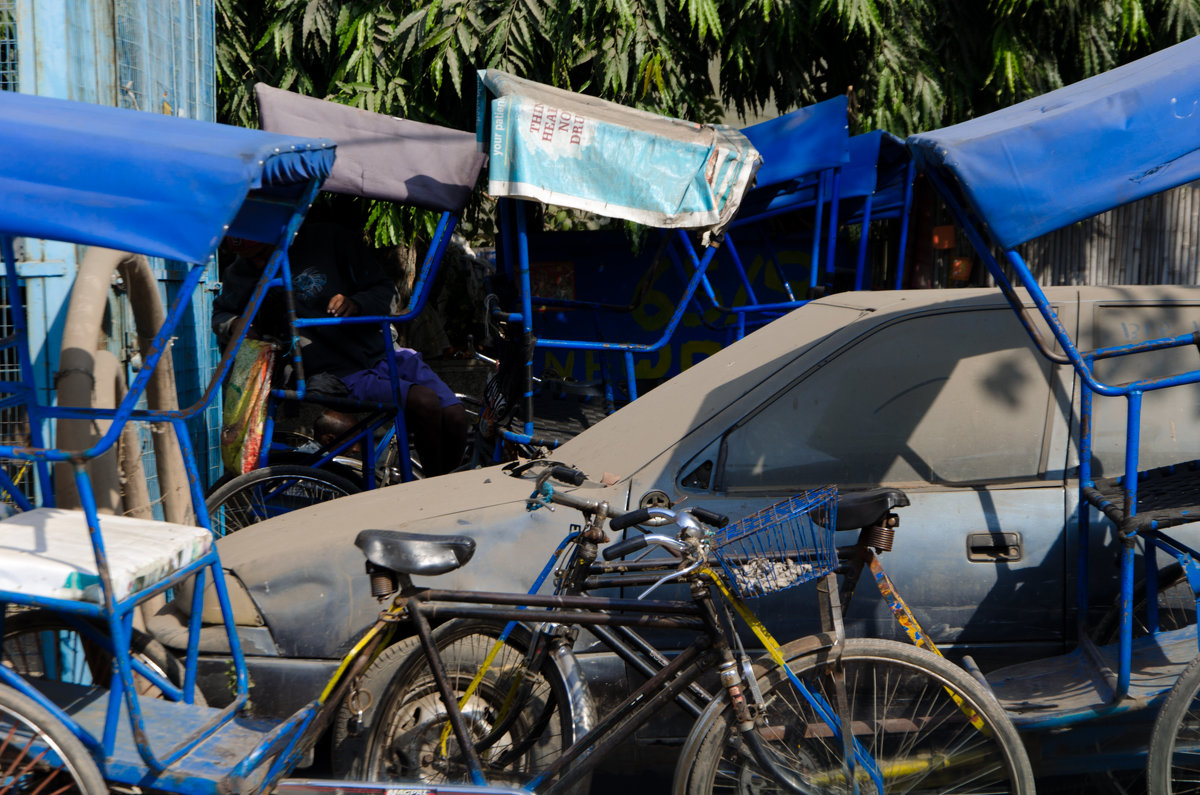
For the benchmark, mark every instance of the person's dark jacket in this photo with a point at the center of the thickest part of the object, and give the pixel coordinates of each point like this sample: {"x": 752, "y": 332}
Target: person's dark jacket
{"x": 325, "y": 260}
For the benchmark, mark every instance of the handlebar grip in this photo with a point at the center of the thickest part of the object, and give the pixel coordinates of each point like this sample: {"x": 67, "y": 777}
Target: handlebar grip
{"x": 623, "y": 548}
{"x": 567, "y": 475}
{"x": 636, "y": 516}
{"x": 711, "y": 518}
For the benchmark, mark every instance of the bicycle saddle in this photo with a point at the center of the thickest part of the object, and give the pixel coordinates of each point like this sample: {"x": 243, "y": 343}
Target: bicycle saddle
{"x": 867, "y": 508}
{"x": 415, "y": 553}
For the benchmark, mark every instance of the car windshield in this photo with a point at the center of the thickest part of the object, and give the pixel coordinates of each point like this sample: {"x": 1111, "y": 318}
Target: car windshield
{"x": 654, "y": 422}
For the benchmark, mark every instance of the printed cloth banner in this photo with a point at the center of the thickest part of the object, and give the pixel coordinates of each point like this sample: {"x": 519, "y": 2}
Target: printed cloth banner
{"x": 577, "y": 151}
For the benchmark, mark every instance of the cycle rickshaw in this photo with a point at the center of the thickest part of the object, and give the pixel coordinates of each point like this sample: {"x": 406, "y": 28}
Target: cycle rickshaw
{"x": 160, "y": 187}
{"x": 802, "y": 167}
{"x": 118, "y": 718}
{"x": 379, "y": 157}
{"x": 1009, "y": 177}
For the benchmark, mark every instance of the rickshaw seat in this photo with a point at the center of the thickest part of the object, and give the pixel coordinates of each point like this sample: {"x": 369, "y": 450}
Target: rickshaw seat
{"x": 47, "y": 552}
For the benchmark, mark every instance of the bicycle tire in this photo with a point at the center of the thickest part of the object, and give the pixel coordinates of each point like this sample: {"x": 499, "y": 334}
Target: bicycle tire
{"x": 346, "y": 467}
{"x": 902, "y": 713}
{"x": 343, "y": 466}
{"x": 41, "y": 754}
{"x": 349, "y": 744}
{"x": 405, "y": 728}
{"x": 42, "y": 644}
{"x": 1170, "y": 769}
{"x": 273, "y": 490}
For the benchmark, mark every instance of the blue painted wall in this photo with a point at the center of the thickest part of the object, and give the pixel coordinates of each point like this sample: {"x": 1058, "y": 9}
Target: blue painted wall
{"x": 155, "y": 56}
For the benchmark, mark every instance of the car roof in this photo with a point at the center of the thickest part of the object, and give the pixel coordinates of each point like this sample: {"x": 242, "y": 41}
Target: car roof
{"x": 672, "y": 411}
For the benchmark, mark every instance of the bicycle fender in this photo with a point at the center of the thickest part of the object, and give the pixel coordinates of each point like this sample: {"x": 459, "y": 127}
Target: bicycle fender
{"x": 583, "y": 708}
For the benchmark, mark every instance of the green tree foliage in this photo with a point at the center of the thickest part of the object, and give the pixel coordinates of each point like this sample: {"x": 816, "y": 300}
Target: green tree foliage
{"x": 908, "y": 65}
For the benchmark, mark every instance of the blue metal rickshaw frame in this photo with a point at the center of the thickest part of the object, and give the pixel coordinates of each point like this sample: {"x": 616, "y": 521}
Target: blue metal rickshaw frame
{"x": 163, "y": 187}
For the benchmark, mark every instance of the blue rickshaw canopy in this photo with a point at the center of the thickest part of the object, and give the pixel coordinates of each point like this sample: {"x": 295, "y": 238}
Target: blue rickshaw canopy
{"x": 801, "y": 143}
{"x": 142, "y": 182}
{"x": 1084, "y": 149}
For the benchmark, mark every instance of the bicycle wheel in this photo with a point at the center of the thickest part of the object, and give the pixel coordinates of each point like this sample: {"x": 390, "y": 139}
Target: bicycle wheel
{"x": 521, "y": 720}
{"x": 911, "y": 712}
{"x": 1173, "y": 764}
{"x": 271, "y": 491}
{"x": 40, "y": 755}
{"x": 41, "y": 644}
{"x": 387, "y": 465}
{"x": 350, "y": 728}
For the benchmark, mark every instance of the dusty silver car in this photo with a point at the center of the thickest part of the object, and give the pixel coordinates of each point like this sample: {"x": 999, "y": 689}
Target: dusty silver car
{"x": 939, "y": 392}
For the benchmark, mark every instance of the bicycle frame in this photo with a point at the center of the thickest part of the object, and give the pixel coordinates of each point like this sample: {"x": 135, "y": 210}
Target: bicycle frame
{"x": 611, "y": 617}
{"x": 364, "y": 433}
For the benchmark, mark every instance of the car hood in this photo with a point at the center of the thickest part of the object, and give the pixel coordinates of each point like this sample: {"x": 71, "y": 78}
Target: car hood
{"x": 307, "y": 577}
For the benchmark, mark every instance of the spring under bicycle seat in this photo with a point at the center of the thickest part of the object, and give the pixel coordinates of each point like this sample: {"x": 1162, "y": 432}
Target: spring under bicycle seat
{"x": 415, "y": 553}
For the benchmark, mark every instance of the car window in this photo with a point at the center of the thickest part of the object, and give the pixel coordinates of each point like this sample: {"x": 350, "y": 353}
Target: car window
{"x": 948, "y": 398}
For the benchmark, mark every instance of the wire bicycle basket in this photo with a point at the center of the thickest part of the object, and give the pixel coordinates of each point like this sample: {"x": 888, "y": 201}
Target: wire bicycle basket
{"x": 780, "y": 547}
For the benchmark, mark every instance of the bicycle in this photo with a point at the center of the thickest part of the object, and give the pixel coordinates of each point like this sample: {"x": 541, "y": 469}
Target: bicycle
{"x": 493, "y": 695}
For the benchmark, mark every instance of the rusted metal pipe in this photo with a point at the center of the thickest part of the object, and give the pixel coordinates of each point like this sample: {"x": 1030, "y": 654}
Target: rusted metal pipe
{"x": 148, "y": 318}
{"x": 77, "y": 384}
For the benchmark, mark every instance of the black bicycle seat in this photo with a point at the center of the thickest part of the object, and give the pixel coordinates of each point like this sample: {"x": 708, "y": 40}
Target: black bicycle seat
{"x": 867, "y": 508}
{"x": 415, "y": 553}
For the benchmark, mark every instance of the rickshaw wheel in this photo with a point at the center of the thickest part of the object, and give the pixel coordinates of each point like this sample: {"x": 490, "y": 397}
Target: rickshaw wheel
{"x": 262, "y": 493}
{"x": 41, "y": 644}
{"x": 40, "y": 754}
{"x": 1173, "y": 765}
{"x": 1176, "y": 607}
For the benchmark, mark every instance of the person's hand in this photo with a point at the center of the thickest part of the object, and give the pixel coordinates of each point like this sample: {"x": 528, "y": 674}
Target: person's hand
{"x": 341, "y": 306}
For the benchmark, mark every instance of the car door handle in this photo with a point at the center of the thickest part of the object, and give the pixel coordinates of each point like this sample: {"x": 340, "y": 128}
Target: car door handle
{"x": 993, "y": 547}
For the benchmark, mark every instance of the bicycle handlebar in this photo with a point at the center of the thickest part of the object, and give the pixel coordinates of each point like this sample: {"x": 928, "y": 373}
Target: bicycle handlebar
{"x": 636, "y": 516}
{"x": 617, "y": 520}
{"x": 568, "y": 475}
{"x": 635, "y": 543}
{"x": 711, "y": 518}
{"x": 641, "y": 515}
{"x": 623, "y": 548}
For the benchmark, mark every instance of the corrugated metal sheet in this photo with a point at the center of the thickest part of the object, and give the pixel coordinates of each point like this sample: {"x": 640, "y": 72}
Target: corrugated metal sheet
{"x": 1152, "y": 241}
{"x": 9, "y": 72}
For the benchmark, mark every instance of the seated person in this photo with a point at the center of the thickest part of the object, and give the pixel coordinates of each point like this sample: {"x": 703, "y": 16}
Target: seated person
{"x": 335, "y": 275}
